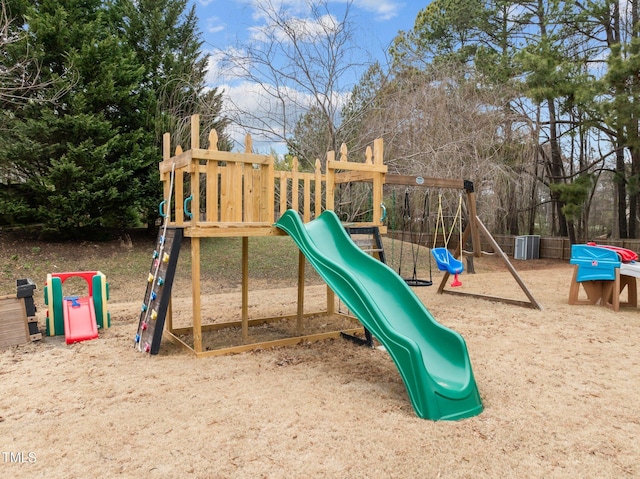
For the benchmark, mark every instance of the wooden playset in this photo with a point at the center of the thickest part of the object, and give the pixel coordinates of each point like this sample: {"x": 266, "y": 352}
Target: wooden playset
{"x": 210, "y": 193}
{"x": 18, "y": 323}
{"x": 214, "y": 193}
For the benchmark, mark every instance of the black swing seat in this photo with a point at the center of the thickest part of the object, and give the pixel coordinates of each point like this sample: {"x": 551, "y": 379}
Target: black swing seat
{"x": 406, "y": 215}
{"x": 417, "y": 282}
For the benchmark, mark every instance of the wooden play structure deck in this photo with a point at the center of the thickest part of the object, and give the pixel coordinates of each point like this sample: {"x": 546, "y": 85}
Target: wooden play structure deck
{"x": 221, "y": 194}
{"x": 210, "y": 193}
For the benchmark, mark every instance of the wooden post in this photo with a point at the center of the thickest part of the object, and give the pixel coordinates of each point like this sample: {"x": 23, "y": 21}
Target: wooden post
{"x": 257, "y": 200}
{"x": 237, "y": 192}
{"x": 249, "y": 203}
{"x": 212, "y": 180}
{"x": 194, "y": 170}
{"x": 178, "y": 191}
{"x": 283, "y": 193}
{"x": 294, "y": 184}
{"x": 306, "y": 208}
{"x": 344, "y": 153}
{"x": 168, "y": 322}
{"x": 249, "y": 196}
{"x": 318, "y": 185}
{"x": 475, "y": 235}
{"x": 195, "y": 192}
{"x": 300, "y": 312}
{"x": 166, "y": 146}
{"x": 195, "y": 131}
{"x": 245, "y": 288}
{"x": 331, "y": 301}
{"x": 166, "y": 178}
{"x": 331, "y": 182}
{"x": 378, "y": 181}
{"x": 227, "y": 207}
{"x": 268, "y": 183}
{"x": 195, "y": 292}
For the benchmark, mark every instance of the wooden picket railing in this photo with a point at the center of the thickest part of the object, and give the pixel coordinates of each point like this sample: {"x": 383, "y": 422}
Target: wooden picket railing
{"x": 219, "y": 193}
{"x": 372, "y": 170}
{"x": 289, "y": 190}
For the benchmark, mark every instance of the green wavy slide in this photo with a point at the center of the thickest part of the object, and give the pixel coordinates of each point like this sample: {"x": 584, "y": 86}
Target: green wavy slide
{"x": 432, "y": 359}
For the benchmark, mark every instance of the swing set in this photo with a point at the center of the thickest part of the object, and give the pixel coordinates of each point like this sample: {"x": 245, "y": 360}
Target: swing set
{"x": 449, "y": 262}
{"x": 443, "y": 257}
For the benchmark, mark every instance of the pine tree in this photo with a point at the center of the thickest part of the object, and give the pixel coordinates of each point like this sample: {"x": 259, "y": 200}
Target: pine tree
{"x": 77, "y": 159}
{"x": 166, "y": 40}
{"x": 88, "y": 161}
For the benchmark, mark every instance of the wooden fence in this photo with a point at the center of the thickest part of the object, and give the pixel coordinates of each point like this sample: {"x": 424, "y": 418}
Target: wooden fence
{"x": 550, "y": 247}
{"x": 560, "y": 248}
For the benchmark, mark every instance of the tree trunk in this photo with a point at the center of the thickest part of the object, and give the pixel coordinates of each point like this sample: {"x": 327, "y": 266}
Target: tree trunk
{"x": 556, "y": 169}
{"x": 633, "y": 128}
{"x": 512, "y": 212}
{"x": 620, "y": 180}
{"x": 572, "y": 232}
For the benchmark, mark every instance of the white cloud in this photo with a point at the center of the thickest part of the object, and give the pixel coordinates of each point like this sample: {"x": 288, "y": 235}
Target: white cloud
{"x": 226, "y": 66}
{"x": 305, "y": 29}
{"x": 262, "y": 100}
{"x": 247, "y": 103}
{"x": 292, "y": 7}
{"x": 215, "y": 25}
{"x": 383, "y": 9}
{"x": 257, "y": 109}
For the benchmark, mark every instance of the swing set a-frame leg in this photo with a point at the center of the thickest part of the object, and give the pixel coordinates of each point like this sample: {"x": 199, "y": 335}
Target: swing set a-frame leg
{"x": 532, "y": 303}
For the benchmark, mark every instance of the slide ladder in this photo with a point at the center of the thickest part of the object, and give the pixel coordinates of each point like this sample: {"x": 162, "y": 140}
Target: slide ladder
{"x": 432, "y": 359}
{"x": 368, "y": 239}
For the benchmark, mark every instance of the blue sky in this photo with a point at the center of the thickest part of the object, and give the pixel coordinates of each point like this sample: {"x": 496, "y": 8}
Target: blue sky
{"x": 222, "y": 21}
{"x": 225, "y": 23}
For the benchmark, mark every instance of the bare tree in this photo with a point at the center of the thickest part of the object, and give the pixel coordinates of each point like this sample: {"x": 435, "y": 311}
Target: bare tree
{"x": 19, "y": 74}
{"x": 439, "y": 124}
{"x": 293, "y": 65}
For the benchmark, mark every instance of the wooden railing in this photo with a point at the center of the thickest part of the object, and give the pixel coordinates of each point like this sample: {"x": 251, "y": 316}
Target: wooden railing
{"x": 219, "y": 189}
{"x": 294, "y": 183}
{"x": 372, "y": 170}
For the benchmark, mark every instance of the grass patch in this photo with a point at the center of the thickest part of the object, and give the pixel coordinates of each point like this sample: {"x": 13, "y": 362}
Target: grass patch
{"x": 272, "y": 261}
{"x": 126, "y": 265}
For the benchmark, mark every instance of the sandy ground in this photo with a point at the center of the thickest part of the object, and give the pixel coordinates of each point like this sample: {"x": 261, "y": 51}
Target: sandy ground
{"x": 560, "y": 389}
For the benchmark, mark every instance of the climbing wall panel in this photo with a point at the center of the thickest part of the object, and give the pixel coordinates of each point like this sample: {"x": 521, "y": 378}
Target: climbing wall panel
{"x": 158, "y": 293}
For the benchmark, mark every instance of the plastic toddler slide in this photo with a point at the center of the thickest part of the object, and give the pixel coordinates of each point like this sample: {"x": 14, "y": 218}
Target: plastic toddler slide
{"x": 79, "y": 319}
